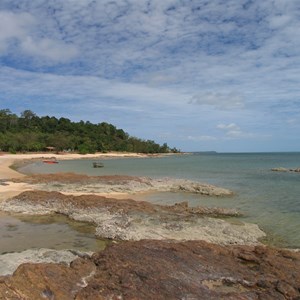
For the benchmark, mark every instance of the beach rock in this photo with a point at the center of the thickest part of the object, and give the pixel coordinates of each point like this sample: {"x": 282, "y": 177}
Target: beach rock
{"x": 126, "y": 219}
{"x": 47, "y": 281}
{"x": 70, "y": 182}
{"x": 162, "y": 270}
{"x": 286, "y": 170}
{"x": 280, "y": 169}
{"x": 10, "y": 261}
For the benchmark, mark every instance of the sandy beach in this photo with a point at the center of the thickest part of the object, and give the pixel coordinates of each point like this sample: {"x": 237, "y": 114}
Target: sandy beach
{"x": 10, "y": 189}
{"x": 6, "y": 160}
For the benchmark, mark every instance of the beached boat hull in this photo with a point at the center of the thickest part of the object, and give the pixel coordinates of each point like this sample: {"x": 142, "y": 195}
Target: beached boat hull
{"x": 50, "y": 162}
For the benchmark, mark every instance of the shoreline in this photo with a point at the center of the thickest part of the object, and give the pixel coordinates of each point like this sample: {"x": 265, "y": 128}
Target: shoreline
{"x": 8, "y": 188}
{"x": 15, "y": 184}
{"x": 203, "y": 255}
{"x": 8, "y": 160}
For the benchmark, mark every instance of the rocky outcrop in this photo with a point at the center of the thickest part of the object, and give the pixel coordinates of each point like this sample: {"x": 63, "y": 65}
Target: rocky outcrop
{"x": 9, "y": 262}
{"x": 135, "y": 220}
{"x": 297, "y": 170}
{"x": 70, "y": 182}
{"x": 47, "y": 281}
{"x": 162, "y": 270}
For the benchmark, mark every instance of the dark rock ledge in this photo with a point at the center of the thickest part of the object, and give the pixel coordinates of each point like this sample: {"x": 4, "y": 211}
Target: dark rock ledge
{"x": 162, "y": 270}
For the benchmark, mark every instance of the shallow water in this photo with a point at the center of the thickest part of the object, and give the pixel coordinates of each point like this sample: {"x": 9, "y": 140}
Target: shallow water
{"x": 18, "y": 233}
{"x": 270, "y": 199}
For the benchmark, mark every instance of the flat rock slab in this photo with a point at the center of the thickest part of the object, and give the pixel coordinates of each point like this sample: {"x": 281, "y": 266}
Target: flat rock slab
{"x": 126, "y": 219}
{"x": 157, "y": 270}
{"x": 70, "y": 182}
{"x": 9, "y": 262}
{"x": 280, "y": 169}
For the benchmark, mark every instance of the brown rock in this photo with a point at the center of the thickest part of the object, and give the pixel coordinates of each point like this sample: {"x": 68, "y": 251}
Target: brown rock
{"x": 52, "y": 199}
{"x": 163, "y": 270}
{"x": 46, "y": 281}
{"x": 70, "y": 182}
{"x": 76, "y": 178}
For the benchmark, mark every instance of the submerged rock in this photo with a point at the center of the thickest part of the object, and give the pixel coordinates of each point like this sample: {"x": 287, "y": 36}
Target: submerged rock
{"x": 162, "y": 270}
{"x": 126, "y": 219}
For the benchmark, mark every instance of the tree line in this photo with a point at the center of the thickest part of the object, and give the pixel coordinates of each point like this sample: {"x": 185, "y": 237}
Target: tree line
{"x": 31, "y": 133}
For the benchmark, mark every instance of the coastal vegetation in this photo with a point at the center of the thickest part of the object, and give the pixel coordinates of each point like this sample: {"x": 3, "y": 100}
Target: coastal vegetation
{"x": 29, "y": 132}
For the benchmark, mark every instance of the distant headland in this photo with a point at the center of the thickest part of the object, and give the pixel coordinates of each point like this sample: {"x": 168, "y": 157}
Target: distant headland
{"x": 31, "y": 133}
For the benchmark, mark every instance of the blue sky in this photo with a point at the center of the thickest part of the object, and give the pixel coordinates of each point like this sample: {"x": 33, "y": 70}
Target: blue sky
{"x": 199, "y": 75}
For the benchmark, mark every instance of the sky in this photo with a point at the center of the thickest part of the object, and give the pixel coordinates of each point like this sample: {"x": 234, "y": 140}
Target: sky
{"x": 199, "y": 75}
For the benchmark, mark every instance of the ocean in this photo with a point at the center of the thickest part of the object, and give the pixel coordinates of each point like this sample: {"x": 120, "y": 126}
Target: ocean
{"x": 267, "y": 198}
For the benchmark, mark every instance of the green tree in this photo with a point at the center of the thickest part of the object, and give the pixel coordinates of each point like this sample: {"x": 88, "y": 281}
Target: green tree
{"x": 30, "y": 132}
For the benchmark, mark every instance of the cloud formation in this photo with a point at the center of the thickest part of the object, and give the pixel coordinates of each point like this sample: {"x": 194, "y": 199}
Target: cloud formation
{"x": 218, "y": 100}
{"x": 17, "y": 33}
{"x": 13, "y": 27}
{"x": 232, "y": 130}
{"x": 170, "y": 65}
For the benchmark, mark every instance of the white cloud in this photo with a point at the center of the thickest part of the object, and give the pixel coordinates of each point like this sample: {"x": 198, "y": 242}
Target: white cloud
{"x": 92, "y": 93}
{"x": 294, "y": 121}
{"x": 17, "y": 31}
{"x": 219, "y": 100}
{"x": 13, "y": 26}
{"x": 279, "y": 21}
{"x": 230, "y": 126}
{"x": 230, "y": 60}
{"x": 233, "y": 131}
{"x": 49, "y": 49}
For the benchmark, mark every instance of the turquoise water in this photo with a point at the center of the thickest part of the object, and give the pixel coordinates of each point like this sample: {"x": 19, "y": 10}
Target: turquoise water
{"x": 269, "y": 199}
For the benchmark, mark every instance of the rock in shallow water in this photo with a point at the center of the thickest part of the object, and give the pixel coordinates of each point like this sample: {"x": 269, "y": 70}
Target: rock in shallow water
{"x": 280, "y": 169}
{"x": 126, "y": 219}
{"x": 162, "y": 270}
{"x": 70, "y": 182}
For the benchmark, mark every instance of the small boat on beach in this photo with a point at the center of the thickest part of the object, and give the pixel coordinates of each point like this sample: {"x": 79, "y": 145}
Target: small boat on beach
{"x": 50, "y": 161}
{"x": 97, "y": 164}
